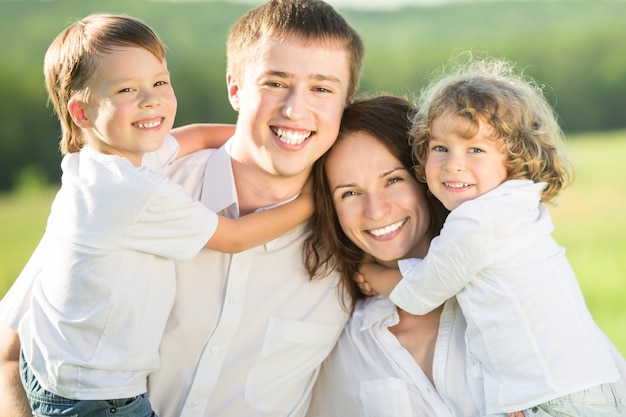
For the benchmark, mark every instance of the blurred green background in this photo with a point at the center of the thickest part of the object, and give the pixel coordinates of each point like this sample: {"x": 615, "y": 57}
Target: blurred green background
{"x": 575, "y": 48}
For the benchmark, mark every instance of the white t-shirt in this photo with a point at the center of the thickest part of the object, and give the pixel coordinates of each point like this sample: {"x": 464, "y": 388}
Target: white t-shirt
{"x": 370, "y": 374}
{"x": 104, "y": 276}
{"x": 529, "y": 334}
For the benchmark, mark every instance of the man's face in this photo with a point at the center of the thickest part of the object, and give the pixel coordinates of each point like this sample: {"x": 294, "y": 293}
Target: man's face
{"x": 290, "y": 101}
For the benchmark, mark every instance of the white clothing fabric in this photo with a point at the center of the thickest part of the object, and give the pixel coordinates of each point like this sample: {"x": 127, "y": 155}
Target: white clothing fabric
{"x": 104, "y": 276}
{"x": 529, "y": 334}
{"x": 248, "y": 332}
{"x": 370, "y": 374}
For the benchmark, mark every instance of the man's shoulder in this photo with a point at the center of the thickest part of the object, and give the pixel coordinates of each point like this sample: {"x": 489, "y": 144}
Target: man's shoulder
{"x": 194, "y": 161}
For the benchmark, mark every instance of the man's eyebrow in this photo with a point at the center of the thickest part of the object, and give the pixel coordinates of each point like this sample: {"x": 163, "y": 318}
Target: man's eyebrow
{"x": 317, "y": 77}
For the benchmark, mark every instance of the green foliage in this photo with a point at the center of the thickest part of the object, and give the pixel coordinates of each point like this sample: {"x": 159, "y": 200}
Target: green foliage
{"x": 575, "y": 48}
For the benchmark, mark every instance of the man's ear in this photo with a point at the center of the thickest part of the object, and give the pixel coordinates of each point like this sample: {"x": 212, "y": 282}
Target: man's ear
{"x": 76, "y": 109}
{"x": 233, "y": 91}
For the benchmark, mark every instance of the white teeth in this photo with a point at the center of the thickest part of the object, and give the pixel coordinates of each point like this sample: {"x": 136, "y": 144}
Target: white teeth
{"x": 456, "y": 185}
{"x": 387, "y": 229}
{"x": 149, "y": 125}
{"x": 291, "y": 138}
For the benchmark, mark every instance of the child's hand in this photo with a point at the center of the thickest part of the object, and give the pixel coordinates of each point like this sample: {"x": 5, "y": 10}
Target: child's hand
{"x": 363, "y": 285}
{"x": 377, "y": 279}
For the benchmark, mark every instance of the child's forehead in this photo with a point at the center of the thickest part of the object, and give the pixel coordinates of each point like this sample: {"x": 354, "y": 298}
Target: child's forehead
{"x": 464, "y": 126}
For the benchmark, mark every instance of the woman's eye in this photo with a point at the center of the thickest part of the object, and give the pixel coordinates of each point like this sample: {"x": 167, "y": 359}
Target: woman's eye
{"x": 348, "y": 194}
{"x": 395, "y": 180}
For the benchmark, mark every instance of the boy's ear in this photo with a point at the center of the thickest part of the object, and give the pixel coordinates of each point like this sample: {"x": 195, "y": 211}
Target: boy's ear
{"x": 233, "y": 91}
{"x": 76, "y": 110}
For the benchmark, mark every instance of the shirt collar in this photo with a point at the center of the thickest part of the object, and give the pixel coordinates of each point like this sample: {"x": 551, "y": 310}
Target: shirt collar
{"x": 375, "y": 310}
{"x": 218, "y": 188}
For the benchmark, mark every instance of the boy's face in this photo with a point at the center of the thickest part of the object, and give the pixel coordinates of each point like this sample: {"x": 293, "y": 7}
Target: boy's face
{"x": 290, "y": 101}
{"x": 131, "y": 105}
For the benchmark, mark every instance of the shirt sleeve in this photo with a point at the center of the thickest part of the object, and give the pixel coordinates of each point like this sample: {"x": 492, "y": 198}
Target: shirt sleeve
{"x": 173, "y": 224}
{"x": 462, "y": 249}
{"x": 159, "y": 159}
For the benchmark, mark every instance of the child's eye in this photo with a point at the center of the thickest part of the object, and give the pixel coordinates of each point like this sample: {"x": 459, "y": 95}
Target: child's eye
{"x": 126, "y": 90}
{"x": 159, "y": 83}
{"x": 439, "y": 148}
{"x": 475, "y": 150}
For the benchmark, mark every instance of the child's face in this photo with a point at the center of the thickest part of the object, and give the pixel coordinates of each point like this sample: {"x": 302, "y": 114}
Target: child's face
{"x": 131, "y": 106}
{"x": 459, "y": 169}
{"x": 290, "y": 101}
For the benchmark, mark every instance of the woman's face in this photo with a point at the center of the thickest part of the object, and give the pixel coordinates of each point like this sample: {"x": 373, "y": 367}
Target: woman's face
{"x": 380, "y": 205}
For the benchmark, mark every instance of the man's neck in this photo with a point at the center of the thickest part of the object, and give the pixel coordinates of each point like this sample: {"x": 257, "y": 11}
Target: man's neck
{"x": 257, "y": 188}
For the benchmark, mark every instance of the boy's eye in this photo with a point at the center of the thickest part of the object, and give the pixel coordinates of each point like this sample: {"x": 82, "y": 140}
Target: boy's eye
{"x": 126, "y": 90}
{"x": 158, "y": 83}
{"x": 439, "y": 148}
{"x": 475, "y": 150}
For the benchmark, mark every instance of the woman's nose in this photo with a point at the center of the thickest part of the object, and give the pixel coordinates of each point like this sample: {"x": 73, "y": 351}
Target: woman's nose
{"x": 377, "y": 206}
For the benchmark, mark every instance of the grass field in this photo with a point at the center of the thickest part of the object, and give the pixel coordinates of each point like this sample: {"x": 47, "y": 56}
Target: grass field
{"x": 589, "y": 222}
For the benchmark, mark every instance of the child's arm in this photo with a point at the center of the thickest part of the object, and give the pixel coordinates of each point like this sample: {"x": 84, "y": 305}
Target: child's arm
{"x": 380, "y": 278}
{"x": 197, "y": 136}
{"x": 236, "y": 235}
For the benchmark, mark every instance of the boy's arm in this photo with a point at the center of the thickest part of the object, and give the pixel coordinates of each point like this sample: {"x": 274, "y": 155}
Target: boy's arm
{"x": 236, "y": 235}
{"x": 197, "y": 136}
{"x": 379, "y": 278}
{"x": 13, "y": 400}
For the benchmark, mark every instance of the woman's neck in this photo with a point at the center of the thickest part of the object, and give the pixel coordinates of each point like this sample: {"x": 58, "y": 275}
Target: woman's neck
{"x": 418, "y": 335}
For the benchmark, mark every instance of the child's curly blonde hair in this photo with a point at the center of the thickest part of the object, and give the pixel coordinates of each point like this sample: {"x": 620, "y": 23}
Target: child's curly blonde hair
{"x": 524, "y": 124}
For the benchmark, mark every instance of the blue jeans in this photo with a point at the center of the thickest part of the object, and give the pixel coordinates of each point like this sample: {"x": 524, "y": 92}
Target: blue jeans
{"x": 606, "y": 400}
{"x": 47, "y": 404}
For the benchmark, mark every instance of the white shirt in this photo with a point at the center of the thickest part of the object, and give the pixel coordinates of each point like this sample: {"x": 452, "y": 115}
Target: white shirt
{"x": 529, "y": 333}
{"x": 105, "y": 277}
{"x": 248, "y": 331}
{"x": 370, "y": 374}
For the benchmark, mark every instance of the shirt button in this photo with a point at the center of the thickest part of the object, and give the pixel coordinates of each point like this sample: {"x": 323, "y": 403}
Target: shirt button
{"x": 215, "y": 351}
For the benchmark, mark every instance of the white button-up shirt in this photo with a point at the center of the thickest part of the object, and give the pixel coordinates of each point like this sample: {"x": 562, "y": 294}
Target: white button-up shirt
{"x": 370, "y": 374}
{"x": 249, "y": 331}
{"x": 529, "y": 333}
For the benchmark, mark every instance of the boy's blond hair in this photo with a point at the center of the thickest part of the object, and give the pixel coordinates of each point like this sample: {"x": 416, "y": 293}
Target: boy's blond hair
{"x": 71, "y": 60}
{"x": 523, "y": 123}
{"x": 307, "y": 20}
